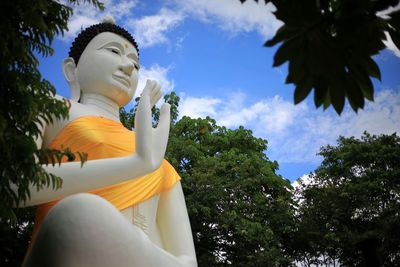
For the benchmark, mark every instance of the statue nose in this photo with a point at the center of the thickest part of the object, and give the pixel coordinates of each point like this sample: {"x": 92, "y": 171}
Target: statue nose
{"x": 127, "y": 66}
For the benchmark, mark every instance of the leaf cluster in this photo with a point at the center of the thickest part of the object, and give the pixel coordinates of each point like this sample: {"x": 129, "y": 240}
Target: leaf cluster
{"x": 329, "y": 46}
{"x": 27, "y": 101}
{"x": 239, "y": 207}
{"x": 15, "y": 237}
{"x": 351, "y": 209}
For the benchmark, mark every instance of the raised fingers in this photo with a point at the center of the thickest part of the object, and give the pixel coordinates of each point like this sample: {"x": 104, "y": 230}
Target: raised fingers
{"x": 148, "y": 87}
{"x": 162, "y": 130}
{"x": 143, "y": 120}
{"x": 155, "y": 94}
{"x": 165, "y": 118}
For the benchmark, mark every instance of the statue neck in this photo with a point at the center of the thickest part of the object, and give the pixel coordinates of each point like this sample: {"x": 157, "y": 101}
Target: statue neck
{"x": 105, "y": 106}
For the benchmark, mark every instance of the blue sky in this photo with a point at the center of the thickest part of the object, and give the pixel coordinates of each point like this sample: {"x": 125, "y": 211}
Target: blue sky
{"x": 211, "y": 54}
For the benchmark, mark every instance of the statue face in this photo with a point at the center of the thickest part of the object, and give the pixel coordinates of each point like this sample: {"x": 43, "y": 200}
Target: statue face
{"x": 109, "y": 66}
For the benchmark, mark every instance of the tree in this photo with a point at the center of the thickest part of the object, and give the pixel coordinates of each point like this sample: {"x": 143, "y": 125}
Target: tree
{"x": 351, "y": 209}
{"x": 15, "y": 237}
{"x": 239, "y": 208}
{"x": 26, "y": 102}
{"x": 329, "y": 46}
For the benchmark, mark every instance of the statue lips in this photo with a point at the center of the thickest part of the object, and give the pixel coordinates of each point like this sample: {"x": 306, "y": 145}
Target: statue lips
{"x": 123, "y": 79}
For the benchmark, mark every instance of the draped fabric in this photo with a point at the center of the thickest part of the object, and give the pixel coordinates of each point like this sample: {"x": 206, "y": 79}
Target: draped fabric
{"x": 104, "y": 138}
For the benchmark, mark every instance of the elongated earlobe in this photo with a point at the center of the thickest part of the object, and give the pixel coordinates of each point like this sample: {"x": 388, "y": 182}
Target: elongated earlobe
{"x": 69, "y": 70}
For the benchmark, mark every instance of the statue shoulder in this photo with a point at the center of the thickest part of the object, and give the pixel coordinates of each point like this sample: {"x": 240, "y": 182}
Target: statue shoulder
{"x": 75, "y": 110}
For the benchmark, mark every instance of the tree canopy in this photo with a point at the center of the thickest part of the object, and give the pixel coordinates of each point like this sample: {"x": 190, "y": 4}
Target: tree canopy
{"x": 350, "y": 210}
{"x": 329, "y": 46}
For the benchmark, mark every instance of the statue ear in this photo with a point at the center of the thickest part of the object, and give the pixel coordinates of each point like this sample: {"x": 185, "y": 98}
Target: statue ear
{"x": 69, "y": 69}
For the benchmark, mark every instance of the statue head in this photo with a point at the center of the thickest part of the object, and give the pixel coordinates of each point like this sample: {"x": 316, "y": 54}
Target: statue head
{"x": 103, "y": 59}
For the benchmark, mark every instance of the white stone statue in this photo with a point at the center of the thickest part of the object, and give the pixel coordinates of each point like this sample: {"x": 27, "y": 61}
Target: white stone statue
{"x": 84, "y": 229}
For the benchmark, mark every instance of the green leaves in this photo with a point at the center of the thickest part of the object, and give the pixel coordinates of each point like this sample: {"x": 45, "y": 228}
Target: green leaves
{"x": 302, "y": 91}
{"x": 337, "y": 92}
{"x": 27, "y": 101}
{"x": 285, "y": 51}
{"x": 285, "y": 32}
{"x": 228, "y": 172}
{"x": 350, "y": 202}
{"x": 371, "y": 68}
{"x": 329, "y": 46}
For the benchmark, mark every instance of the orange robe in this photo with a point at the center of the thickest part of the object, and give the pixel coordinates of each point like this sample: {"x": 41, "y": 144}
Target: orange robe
{"x": 104, "y": 138}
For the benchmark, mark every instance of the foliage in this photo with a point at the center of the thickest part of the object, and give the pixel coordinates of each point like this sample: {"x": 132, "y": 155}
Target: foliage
{"x": 351, "y": 209}
{"x": 15, "y": 237}
{"x": 26, "y": 103}
{"x": 26, "y": 100}
{"x": 329, "y": 46}
{"x": 239, "y": 208}
{"x": 128, "y": 118}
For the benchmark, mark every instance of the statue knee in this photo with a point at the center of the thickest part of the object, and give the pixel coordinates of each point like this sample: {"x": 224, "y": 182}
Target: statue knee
{"x": 71, "y": 228}
{"x": 78, "y": 226}
{"x": 80, "y": 210}
{"x": 81, "y": 202}
{"x": 75, "y": 217}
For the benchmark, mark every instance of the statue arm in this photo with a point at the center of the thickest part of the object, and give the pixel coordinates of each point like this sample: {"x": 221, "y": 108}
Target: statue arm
{"x": 174, "y": 225}
{"x": 94, "y": 174}
{"x": 150, "y": 149}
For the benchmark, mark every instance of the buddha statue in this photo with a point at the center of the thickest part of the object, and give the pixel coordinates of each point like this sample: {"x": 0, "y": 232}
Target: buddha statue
{"x": 125, "y": 205}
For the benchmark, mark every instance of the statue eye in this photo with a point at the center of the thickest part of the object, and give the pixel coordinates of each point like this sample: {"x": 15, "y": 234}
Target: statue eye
{"x": 115, "y": 51}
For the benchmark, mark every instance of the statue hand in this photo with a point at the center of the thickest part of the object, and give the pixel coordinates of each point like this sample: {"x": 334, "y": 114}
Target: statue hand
{"x": 151, "y": 143}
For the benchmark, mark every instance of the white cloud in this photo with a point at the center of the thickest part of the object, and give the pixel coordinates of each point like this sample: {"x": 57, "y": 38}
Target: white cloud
{"x": 151, "y": 30}
{"x": 199, "y": 107}
{"x": 305, "y": 180}
{"x": 158, "y": 73}
{"x": 314, "y": 128}
{"x": 180, "y": 40}
{"x": 119, "y": 9}
{"x": 389, "y": 42}
{"x": 390, "y": 45}
{"x": 296, "y": 133}
{"x": 274, "y": 115}
{"x": 386, "y": 13}
{"x": 86, "y": 14}
{"x": 233, "y": 16}
{"x": 230, "y": 16}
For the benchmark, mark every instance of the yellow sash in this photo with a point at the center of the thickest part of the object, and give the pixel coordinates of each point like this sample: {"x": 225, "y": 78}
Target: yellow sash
{"x": 105, "y": 138}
